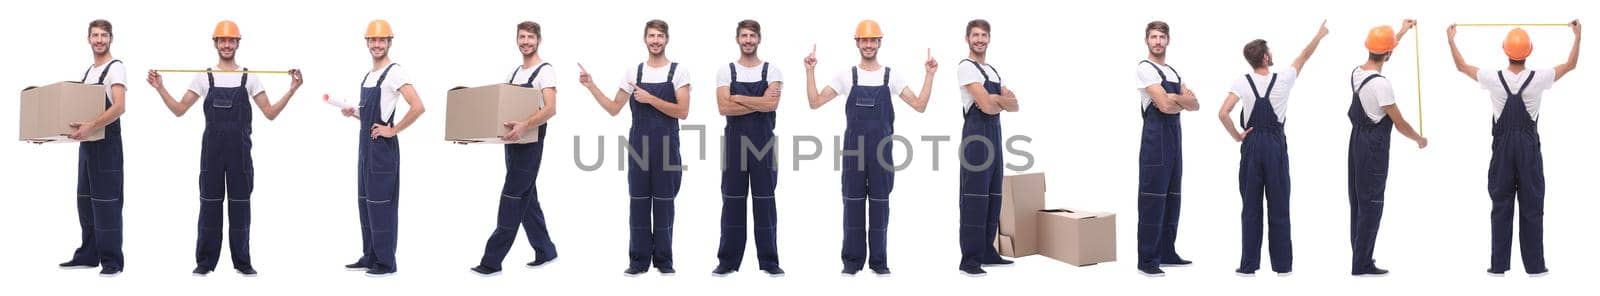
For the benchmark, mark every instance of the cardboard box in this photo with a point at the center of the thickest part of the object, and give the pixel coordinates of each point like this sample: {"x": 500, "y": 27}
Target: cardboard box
{"x": 46, "y": 111}
{"x": 478, "y": 114}
{"x": 1078, "y": 237}
{"x": 1021, "y": 197}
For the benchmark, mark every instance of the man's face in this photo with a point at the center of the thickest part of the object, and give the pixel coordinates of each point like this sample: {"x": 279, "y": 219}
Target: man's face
{"x": 1157, "y": 42}
{"x": 226, "y": 47}
{"x": 527, "y": 42}
{"x": 378, "y": 47}
{"x": 749, "y": 41}
{"x": 99, "y": 41}
{"x": 869, "y": 47}
{"x": 655, "y": 41}
{"x": 978, "y": 40}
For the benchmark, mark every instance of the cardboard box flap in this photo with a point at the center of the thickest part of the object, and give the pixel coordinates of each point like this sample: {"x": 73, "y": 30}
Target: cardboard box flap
{"x": 1075, "y": 214}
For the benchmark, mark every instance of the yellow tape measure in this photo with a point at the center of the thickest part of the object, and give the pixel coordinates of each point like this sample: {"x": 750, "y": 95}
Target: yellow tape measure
{"x": 1416, "y": 39}
{"x": 1514, "y": 25}
{"x": 220, "y": 71}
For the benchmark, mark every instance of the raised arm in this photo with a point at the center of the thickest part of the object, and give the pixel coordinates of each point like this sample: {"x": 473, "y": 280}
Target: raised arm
{"x": 613, "y": 105}
{"x": 1305, "y": 54}
{"x": 1461, "y": 64}
{"x": 816, "y": 98}
{"x": 271, "y": 110}
{"x": 1572, "y": 56}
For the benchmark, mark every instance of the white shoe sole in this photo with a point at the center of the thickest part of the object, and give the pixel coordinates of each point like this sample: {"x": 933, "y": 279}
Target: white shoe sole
{"x": 1153, "y": 275}
{"x": 1539, "y": 275}
{"x": 721, "y": 275}
{"x": 248, "y": 275}
{"x": 632, "y": 275}
{"x": 110, "y": 275}
{"x": 1285, "y": 274}
{"x": 1248, "y": 275}
{"x": 482, "y": 275}
{"x": 362, "y": 269}
{"x": 76, "y": 267}
{"x": 371, "y": 275}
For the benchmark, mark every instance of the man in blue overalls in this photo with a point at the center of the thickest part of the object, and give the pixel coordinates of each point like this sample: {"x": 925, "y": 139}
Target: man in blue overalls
{"x": 1162, "y": 96}
{"x": 100, "y": 164}
{"x": 983, "y": 98}
{"x": 378, "y": 168}
{"x": 1264, "y": 156}
{"x": 519, "y": 198}
{"x": 749, "y": 163}
{"x": 658, "y": 96}
{"x": 227, "y": 171}
{"x": 1516, "y": 168}
{"x": 867, "y": 158}
{"x": 1373, "y": 116}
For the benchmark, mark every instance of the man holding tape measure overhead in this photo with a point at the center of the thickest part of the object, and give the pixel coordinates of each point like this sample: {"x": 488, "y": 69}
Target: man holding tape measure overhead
{"x": 1516, "y": 167}
{"x": 1373, "y": 116}
{"x": 227, "y": 171}
{"x": 378, "y": 168}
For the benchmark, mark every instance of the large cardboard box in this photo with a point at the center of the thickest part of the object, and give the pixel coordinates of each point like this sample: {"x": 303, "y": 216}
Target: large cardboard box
{"x": 478, "y": 114}
{"x": 46, "y": 111}
{"x": 1078, "y": 237}
{"x": 1021, "y": 197}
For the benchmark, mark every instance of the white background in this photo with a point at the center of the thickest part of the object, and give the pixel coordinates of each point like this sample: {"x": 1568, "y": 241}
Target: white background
{"x": 1071, "y": 63}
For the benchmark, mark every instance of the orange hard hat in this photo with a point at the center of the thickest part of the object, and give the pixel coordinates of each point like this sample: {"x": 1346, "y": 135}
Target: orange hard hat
{"x": 868, "y": 29}
{"x": 1518, "y": 47}
{"x": 225, "y": 29}
{"x": 1380, "y": 40}
{"x": 379, "y": 29}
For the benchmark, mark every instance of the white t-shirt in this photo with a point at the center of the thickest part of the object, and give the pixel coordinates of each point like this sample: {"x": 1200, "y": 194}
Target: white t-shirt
{"x": 546, "y": 79}
{"x": 897, "y": 81}
{"x": 391, "y": 87}
{"x": 749, "y": 74}
{"x": 967, "y": 74}
{"x": 680, "y": 78}
{"x": 1490, "y": 80}
{"x": 1377, "y": 94}
{"x": 117, "y": 75}
{"x": 1145, "y": 76}
{"x": 200, "y": 86}
{"x": 1279, "y": 98}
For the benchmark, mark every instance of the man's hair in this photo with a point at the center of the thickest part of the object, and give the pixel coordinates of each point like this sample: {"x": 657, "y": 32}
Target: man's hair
{"x": 657, "y": 24}
{"x": 102, "y": 24}
{"x": 751, "y": 25}
{"x": 1158, "y": 26}
{"x": 1255, "y": 52}
{"x": 977, "y": 24}
{"x": 1378, "y": 57}
{"x": 531, "y": 27}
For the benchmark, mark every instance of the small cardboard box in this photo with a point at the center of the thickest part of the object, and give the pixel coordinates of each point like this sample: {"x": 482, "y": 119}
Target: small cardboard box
{"x": 478, "y": 114}
{"x": 1078, "y": 237}
{"x": 46, "y": 111}
{"x": 1021, "y": 197}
